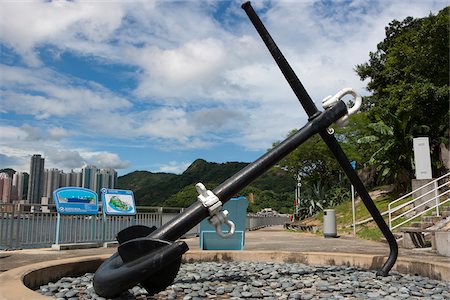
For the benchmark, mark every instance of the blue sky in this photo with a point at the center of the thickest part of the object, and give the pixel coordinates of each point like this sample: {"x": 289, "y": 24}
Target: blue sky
{"x": 154, "y": 85}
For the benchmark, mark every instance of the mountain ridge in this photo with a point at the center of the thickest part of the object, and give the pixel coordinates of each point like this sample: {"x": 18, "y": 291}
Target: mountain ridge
{"x": 274, "y": 187}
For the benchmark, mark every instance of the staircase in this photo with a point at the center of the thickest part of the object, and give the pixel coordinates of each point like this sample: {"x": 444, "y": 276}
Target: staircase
{"x": 429, "y": 221}
{"x": 433, "y": 196}
{"x": 418, "y": 219}
{"x": 420, "y": 234}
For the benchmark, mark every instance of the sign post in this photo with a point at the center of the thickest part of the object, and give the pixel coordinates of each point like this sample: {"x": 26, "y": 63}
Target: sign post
{"x": 117, "y": 203}
{"x": 74, "y": 201}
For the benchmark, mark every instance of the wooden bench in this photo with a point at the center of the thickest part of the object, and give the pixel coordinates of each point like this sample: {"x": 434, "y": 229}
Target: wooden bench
{"x": 299, "y": 227}
{"x": 416, "y": 235}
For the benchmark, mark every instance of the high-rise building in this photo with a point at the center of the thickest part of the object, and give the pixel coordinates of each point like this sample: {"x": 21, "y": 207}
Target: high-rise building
{"x": 106, "y": 178}
{"x": 5, "y": 188}
{"x": 36, "y": 181}
{"x": 14, "y": 187}
{"x": 20, "y": 185}
{"x": 52, "y": 182}
{"x": 74, "y": 178}
{"x": 2, "y": 180}
{"x": 64, "y": 179}
{"x": 89, "y": 177}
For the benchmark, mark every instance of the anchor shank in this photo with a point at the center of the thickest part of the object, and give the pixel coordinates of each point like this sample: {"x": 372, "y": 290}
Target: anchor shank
{"x": 194, "y": 214}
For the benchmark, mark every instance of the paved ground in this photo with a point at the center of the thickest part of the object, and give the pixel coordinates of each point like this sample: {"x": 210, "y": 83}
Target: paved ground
{"x": 273, "y": 238}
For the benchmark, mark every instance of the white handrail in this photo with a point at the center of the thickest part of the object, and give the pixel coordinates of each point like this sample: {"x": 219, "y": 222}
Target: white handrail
{"x": 421, "y": 213}
{"x": 415, "y": 207}
{"x": 421, "y": 196}
{"x": 435, "y": 198}
{"x": 418, "y": 189}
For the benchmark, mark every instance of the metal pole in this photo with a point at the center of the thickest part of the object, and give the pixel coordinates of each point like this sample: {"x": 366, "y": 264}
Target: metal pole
{"x": 58, "y": 223}
{"x": 353, "y": 210}
{"x": 436, "y": 195}
{"x": 12, "y": 226}
{"x": 19, "y": 221}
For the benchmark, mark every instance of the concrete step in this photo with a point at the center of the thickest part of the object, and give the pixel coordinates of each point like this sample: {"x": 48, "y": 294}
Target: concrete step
{"x": 424, "y": 225}
{"x": 444, "y": 208}
{"x": 431, "y": 219}
{"x": 421, "y": 225}
{"x": 444, "y": 214}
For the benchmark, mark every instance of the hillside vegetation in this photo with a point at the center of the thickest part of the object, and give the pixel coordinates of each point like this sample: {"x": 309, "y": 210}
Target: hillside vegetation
{"x": 273, "y": 189}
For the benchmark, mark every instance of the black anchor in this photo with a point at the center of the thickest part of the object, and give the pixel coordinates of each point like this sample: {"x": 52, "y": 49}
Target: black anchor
{"x": 152, "y": 257}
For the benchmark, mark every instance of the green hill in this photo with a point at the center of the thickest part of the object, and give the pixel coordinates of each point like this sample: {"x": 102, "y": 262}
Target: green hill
{"x": 272, "y": 189}
{"x": 149, "y": 188}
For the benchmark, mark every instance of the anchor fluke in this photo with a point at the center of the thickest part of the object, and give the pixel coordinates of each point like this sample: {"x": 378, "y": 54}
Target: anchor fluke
{"x": 133, "y": 232}
{"x": 152, "y": 262}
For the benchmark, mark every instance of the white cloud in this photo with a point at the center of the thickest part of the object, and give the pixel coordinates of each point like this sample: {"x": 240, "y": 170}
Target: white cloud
{"x": 104, "y": 159}
{"x": 24, "y": 25}
{"x": 18, "y": 144}
{"x": 57, "y": 133}
{"x": 175, "y": 72}
{"x": 200, "y": 82}
{"x": 11, "y": 134}
{"x": 174, "y": 167}
{"x": 65, "y": 159}
{"x": 44, "y": 93}
{"x": 39, "y": 134}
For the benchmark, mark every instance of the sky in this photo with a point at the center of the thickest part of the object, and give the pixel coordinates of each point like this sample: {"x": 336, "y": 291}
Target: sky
{"x": 154, "y": 85}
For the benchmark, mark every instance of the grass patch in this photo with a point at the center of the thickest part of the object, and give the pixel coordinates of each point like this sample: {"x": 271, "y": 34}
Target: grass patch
{"x": 369, "y": 230}
{"x": 344, "y": 216}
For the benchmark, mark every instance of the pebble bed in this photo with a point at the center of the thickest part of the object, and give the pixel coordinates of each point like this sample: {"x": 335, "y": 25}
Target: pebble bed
{"x": 253, "y": 280}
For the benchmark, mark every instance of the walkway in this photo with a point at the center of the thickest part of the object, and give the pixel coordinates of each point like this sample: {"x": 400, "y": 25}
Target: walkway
{"x": 267, "y": 239}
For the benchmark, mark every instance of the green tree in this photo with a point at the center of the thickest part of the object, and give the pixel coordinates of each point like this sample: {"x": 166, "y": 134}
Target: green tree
{"x": 392, "y": 144}
{"x": 409, "y": 80}
{"x": 183, "y": 198}
{"x": 319, "y": 172}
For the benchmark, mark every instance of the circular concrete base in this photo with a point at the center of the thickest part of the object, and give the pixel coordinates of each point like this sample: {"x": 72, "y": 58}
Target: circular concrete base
{"x": 18, "y": 284}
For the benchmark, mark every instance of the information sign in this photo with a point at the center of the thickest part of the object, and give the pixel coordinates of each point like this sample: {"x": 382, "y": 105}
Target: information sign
{"x": 76, "y": 201}
{"x": 118, "y": 202}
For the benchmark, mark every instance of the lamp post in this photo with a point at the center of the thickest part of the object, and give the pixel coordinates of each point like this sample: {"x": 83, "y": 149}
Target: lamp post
{"x": 297, "y": 196}
{"x": 353, "y": 163}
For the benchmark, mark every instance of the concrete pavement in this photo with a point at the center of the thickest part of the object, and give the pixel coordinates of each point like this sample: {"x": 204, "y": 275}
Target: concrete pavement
{"x": 271, "y": 239}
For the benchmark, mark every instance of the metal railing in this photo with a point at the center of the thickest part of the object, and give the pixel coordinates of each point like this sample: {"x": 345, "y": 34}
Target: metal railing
{"x": 437, "y": 196}
{"x": 255, "y": 222}
{"x": 34, "y": 226}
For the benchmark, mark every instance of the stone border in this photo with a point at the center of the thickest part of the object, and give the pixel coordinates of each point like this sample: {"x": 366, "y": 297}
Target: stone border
{"x": 17, "y": 284}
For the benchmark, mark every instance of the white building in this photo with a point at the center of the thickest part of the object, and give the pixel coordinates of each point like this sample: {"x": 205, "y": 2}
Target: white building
{"x": 5, "y": 188}
{"x": 89, "y": 179}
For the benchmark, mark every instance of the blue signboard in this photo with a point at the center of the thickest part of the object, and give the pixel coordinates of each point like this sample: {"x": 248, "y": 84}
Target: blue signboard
{"x": 118, "y": 202}
{"x": 76, "y": 201}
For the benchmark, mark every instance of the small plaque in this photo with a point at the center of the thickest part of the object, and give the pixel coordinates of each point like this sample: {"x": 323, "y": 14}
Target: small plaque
{"x": 76, "y": 201}
{"x": 118, "y": 202}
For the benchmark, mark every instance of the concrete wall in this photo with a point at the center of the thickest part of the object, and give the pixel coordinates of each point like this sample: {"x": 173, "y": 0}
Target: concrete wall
{"x": 442, "y": 240}
{"x": 417, "y": 183}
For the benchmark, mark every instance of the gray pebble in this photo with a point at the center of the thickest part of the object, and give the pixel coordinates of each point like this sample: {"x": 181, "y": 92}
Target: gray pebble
{"x": 246, "y": 294}
{"x": 257, "y": 280}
